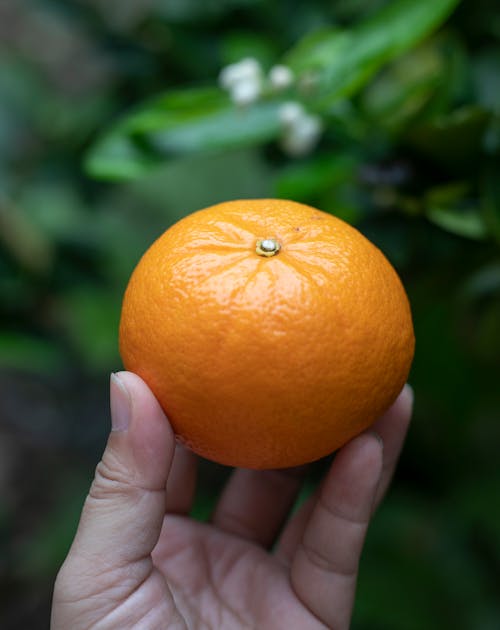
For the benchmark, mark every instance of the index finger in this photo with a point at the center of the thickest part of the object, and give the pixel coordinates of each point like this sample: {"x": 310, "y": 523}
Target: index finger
{"x": 392, "y": 427}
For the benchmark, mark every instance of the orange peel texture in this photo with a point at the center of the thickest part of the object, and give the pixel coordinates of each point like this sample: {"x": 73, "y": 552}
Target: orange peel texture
{"x": 270, "y": 332}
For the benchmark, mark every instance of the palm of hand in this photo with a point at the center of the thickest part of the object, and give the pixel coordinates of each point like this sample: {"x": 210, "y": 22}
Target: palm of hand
{"x": 138, "y": 560}
{"x": 218, "y": 580}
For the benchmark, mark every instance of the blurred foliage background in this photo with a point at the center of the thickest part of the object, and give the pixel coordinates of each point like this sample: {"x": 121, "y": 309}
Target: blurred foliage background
{"x": 112, "y": 126}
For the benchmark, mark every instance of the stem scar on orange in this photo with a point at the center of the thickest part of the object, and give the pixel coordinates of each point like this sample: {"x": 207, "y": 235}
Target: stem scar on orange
{"x": 270, "y": 332}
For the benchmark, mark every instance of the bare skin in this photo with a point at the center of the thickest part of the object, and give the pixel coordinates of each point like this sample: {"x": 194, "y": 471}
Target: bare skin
{"x": 139, "y": 561}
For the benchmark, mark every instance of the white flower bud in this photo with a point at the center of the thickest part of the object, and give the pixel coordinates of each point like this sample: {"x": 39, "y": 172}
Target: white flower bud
{"x": 281, "y": 77}
{"x": 227, "y": 76}
{"x": 247, "y": 68}
{"x": 291, "y": 112}
{"x": 243, "y": 81}
{"x": 245, "y": 91}
{"x": 301, "y": 137}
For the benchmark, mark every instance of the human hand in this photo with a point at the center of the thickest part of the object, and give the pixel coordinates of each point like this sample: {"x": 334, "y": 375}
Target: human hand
{"x": 139, "y": 561}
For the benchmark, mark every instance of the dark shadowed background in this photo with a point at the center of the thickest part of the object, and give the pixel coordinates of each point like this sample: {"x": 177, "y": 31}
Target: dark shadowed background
{"x": 409, "y": 152}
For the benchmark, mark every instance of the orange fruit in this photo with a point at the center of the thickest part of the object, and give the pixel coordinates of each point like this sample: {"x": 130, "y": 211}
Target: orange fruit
{"x": 270, "y": 332}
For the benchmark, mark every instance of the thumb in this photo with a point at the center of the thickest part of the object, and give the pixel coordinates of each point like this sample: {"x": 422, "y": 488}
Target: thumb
{"x": 123, "y": 513}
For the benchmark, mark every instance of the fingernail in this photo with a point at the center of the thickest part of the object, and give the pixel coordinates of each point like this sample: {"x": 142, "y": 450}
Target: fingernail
{"x": 120, "y": 404}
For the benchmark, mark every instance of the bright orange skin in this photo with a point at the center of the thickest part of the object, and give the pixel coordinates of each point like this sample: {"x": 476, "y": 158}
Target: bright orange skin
{"x": 267, "y": 362}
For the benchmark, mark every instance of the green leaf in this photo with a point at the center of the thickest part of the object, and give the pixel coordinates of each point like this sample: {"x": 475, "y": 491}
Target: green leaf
{"x": 226, "y": 128}
{"x": 468, "y": 223}
{"x": 449, "y": 206}
{"x": 179, "y": 123}
{"x": 399, "y": 94}
{"x": 336, "y": 63}
{"x": 306, "y": 180}
{"x": 116, "y": 157}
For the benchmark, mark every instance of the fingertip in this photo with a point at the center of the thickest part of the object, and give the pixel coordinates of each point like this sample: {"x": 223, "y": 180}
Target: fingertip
{"x": 408, "y": 395}
{"x": 120, "y": 404}
{"x": 372, "y": 451}
{"x": 370, "y": 439}
{"x": 151, "y": 436}
{"x": 133, "y": 383}
{"x": 142, "y": 399}
{"x": 378, "y": 437}
{"x": 403, "y": 405}
{"x": 356, "y": 474}
{"x": 365, "y": 452}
